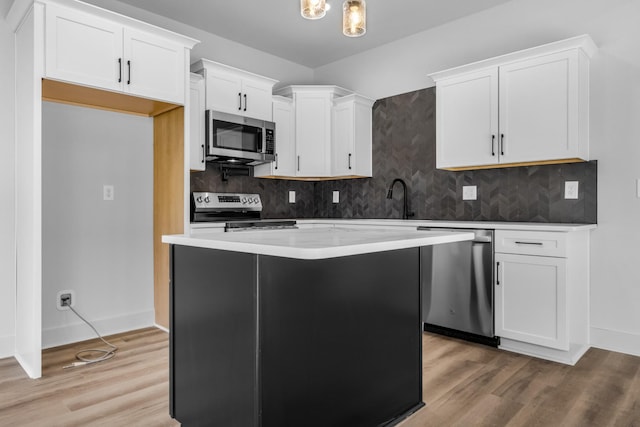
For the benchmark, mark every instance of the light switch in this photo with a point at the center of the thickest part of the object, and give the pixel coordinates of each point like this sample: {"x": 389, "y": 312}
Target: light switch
{"x": 107, "y": 192}
{"x": 336, "y": 197}
{"x": 292, "y": 196}
{"x": 571, "y": 189}
{"x": 469, "y": 192}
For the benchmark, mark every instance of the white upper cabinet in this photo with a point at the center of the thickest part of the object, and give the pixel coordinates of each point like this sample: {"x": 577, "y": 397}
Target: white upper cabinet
{"x": 331, "y": 134}
{"x": 196, "y": 123}
{"x": 528, "y": 107}
{"x": 235, "y": 91}
{"x": 155, "y": 67}
{"x": 92, "y": 47}
{"x": 83, "y": 48}
{"x": 285, "y": 163}
{"x": 351, "y": 141}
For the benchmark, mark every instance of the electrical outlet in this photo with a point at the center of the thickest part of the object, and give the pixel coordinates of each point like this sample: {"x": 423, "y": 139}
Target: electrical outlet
{"x": 336, "y": 197}
{"x": 65, "y": 299}
{"x": 107, "y": 192}
{"x": 292, "y": 196}
{"x": 571, "y": 189}
{"x": 469, "y": 192}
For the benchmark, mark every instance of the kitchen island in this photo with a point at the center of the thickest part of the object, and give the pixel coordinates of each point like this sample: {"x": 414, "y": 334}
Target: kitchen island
{"x": 313, "y": 327}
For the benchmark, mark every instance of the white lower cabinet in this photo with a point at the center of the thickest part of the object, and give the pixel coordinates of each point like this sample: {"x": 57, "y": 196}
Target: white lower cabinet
{"x": 542, "y": 293}
{"x": 531, "y": 294}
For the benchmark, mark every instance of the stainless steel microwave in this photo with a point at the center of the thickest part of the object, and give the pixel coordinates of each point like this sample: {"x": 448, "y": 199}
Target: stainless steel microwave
{"x": 235, "y": 139}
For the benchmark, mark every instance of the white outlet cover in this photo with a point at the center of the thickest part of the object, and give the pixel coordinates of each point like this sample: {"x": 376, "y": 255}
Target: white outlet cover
{"x": 571, "y": 189}
{"x": 292, "y": 196}
{"x": 336, "y": 197}
{"x": 108, "y": 192}
{"x": 469, "y": 192}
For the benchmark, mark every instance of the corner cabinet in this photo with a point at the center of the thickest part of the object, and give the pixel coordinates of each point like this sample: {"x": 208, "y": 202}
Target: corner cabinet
{"x": 196, "y": 123}
{"x": 90, "y": 49}
{"x": 542, "y": 293}
{"x": 528, "y": 107}
{"x": 236, "y": 91}
{"x": 332, "y": 135}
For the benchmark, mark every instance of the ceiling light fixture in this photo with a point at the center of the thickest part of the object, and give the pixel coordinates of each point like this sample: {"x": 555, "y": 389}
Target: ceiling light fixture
{"x": 313, "y": 9}
{"x": 354, "y": 18}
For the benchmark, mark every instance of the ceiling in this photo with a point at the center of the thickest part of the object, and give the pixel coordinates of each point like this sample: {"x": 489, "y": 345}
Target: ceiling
{"x": 276, "y": 27}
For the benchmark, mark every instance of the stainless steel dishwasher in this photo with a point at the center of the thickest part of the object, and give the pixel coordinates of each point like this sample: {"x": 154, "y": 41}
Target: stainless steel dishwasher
{"x": 457, "y": 287}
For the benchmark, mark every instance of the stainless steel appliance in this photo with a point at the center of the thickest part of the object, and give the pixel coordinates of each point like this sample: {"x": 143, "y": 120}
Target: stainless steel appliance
{"x": 239, "y": 211}
{"x": 236, "y": 139}
{"x": 457, "y": 288}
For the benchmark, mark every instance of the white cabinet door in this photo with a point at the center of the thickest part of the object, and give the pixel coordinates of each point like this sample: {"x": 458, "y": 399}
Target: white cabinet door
{"x": 313, "y": 134}
{"x": 196, "y": 123}
{"x": 467, "y": 120}
{"x": 539, "y": 108}
{"x": 257, "y": 100}
{"x": 531, "y": 300}
{"x": 285, "y": 163}
{"x": 154, "y": 67}
{"x": 82, "y": 48}
{"x": 343, "y": 139}
{"x": 224, "y": 92}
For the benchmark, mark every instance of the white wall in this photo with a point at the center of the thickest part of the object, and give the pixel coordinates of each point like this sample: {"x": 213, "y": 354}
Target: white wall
{"x": 403, "y": 66}
{"x": 102, "y": 250}
{"x": 7, "y": 205}
{"x": 220, "y": 49}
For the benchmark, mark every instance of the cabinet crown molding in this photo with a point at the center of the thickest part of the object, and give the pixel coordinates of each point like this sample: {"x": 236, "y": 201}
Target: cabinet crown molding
{"x": 583, "y": 42}
{"x": 334, "y": 91}
{"x": 206, "y": 64}
{"x": 20, "y": 8}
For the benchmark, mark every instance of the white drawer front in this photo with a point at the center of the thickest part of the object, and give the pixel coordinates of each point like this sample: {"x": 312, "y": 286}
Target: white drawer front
{"x": 531, "y": 243}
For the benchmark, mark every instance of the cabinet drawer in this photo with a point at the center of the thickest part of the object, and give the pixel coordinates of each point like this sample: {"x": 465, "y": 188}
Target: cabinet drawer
{"x": 531, "y": 243}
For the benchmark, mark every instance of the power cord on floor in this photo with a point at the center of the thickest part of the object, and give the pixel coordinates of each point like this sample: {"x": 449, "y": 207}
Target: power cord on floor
{"x": 106, "y": 354}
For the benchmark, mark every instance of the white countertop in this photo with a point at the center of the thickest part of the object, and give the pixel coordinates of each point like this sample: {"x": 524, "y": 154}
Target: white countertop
{"x": 318, "y": 242}
{"x": 411, "y": 223}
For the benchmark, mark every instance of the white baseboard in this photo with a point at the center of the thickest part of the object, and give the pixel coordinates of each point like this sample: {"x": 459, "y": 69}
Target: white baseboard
{"x": 79, "y": 331}
{"x": 162, "y": 328}
{"x": 621, "y": 342}
{"x": 7, "y": 346}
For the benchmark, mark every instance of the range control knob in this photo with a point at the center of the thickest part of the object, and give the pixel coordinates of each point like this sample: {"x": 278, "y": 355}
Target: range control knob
{"x": 199, "y": 199}
{"x": 206, "y": 199}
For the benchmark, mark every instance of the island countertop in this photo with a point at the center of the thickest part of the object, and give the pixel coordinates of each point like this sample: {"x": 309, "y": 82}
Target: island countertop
{"x": 318, "y": 242}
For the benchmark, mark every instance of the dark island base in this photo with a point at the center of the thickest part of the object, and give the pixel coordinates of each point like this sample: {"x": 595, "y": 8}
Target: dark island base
{"x": 269, "y": 341}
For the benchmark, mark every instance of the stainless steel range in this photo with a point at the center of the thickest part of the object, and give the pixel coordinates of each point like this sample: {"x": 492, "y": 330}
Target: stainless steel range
{"x": 239, "y": 211}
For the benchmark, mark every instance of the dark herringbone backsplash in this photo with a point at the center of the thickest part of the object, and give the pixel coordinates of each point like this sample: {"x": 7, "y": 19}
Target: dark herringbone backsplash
{"x": 404, "y": 147}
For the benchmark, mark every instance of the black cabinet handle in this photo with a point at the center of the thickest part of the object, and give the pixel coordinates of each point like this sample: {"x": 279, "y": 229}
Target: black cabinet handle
{"x": 298, "y": 163}
{"x": 119, "y": 70}
{"x": 129, "y": 67}
{"x": 502, "y": 144}
{"x": 498, "y": 274}
{"x": 529, "y": 243}
{"x": 493, "y": 144}
{"x": 349, "y": 161}
{"x": 245, "y": 102}
{"x": 276, "y": 161}
{"x": 202, "y": 153}
{"x": 239, "y": 101}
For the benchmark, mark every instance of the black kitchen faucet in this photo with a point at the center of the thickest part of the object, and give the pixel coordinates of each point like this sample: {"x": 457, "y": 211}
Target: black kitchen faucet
{"x": 405, "y": 207}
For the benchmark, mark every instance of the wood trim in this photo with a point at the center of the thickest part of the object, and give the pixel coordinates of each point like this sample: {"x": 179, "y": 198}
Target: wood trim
{"x": 513, "y": 165}
{"x": 168, "y": 200}
{"x": 67, "y": 93}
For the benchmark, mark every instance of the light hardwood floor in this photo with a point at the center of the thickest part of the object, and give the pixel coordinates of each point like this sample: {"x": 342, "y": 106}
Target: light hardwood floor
{"x": 464, "y": 385}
